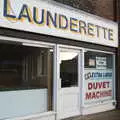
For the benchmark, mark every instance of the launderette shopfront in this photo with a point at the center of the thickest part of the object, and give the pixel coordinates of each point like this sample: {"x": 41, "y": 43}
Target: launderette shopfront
{"x": 55, "y": 61}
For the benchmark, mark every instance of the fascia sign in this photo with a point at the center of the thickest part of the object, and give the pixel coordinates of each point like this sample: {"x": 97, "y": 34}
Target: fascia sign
{"x": 51, "y": 19}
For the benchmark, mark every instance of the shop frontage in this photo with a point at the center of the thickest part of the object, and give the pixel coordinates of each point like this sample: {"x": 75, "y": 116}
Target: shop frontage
{"x": 56, "y": 62}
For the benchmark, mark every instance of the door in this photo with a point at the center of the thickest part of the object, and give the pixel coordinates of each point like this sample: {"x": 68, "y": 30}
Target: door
{"x": 69, "y": 83}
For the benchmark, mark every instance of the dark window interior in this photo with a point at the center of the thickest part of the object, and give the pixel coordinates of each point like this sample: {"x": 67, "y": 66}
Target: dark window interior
{"x": 92, "y": 55}
{"x": 26, "y": 67}
{"x": 69, "y": 72}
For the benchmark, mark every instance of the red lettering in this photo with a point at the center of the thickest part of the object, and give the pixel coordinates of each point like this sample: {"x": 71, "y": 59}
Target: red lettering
{"x": 98, "y": 94}
{"x": 88, "y": 96}
{"x": 108, "y": 83}
{"x": 104, "y": 84}
{"x": 93, "y": 95}
{"x": 98, "y": 85}
{"x": 89, "y": 86}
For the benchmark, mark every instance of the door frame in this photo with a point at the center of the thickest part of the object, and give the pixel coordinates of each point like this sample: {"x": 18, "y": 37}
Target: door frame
{"x": 57, "y": 75}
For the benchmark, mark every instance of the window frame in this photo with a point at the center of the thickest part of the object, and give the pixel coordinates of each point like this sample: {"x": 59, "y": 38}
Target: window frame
{"x": 113, "y": 80}
{"x": 34, "y": 43}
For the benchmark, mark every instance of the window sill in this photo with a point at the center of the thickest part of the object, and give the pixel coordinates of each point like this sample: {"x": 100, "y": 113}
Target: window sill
{"x": 34, "y": 116}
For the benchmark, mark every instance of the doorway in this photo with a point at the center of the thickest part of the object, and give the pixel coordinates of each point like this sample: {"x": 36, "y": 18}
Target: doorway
{"x": 69, "y": 82}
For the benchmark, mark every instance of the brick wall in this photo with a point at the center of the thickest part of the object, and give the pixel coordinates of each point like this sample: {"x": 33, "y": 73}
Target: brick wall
{"x": 118, "y": 55}
{"x": 103, "y": 8}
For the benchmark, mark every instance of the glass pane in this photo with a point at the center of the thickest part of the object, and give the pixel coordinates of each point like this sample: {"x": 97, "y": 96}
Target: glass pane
{"x": 98, "y": 77}
{"x": 27, "y": 68}
{"x": 69, "y": 69}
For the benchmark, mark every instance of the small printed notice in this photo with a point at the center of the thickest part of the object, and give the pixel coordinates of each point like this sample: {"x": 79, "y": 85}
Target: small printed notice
{"x": 101, "y": 63}
{"x": 92, "y": 62}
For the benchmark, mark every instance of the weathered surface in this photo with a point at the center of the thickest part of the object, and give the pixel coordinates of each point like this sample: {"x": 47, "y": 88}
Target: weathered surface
{"x": 103, "y": 8}
{"x": 111, "y": 115}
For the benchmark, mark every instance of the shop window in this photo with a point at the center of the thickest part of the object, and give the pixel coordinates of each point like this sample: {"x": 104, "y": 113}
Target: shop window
{"x": 98, "y": 77}
{"x": 27, "y": 68}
